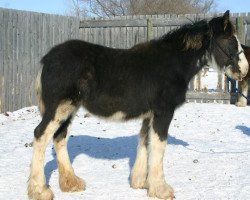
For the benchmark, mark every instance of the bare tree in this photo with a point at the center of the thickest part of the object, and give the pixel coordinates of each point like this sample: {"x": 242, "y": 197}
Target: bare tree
{"x": 108, "y": 7}
{"x": 77, "y": 8}
{"x": 170, "y": 6}
{"x": 141, "y": 7}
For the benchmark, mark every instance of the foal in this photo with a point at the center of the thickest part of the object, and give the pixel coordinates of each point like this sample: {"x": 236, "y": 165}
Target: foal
{"x": 243, "y": 84}
{"x": 148, "y": 81}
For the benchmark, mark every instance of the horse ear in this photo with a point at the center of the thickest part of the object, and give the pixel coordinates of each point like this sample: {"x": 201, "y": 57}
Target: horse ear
{"x": 226, "y": 17}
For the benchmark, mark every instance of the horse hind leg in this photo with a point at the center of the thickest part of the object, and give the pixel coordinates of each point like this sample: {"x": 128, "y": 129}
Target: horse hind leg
{"x": 68, "y": 181}
{"x": 51, "y": 121}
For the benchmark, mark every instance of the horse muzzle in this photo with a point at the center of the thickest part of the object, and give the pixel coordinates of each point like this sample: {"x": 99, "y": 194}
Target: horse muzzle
{"x": 234, "y": 73}
{"x": 237, "y": 69}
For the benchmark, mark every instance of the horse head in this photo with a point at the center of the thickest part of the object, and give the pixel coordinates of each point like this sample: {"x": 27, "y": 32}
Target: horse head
{"x": 225, "y": 48}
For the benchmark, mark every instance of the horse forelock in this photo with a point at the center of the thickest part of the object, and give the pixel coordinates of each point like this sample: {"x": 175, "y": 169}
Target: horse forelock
{"x": 219, "y": 25}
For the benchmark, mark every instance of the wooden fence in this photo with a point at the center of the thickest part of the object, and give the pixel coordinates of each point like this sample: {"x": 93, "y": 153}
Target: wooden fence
{"x": 26, "y": 36}
{"x": 124, "y": 32}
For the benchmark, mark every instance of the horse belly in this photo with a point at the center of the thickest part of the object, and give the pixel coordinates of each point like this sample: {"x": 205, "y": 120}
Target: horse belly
{"x": 117, "y": 109}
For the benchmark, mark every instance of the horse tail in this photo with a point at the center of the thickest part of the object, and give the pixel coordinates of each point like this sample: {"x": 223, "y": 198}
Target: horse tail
{"x": 39, "y": 93}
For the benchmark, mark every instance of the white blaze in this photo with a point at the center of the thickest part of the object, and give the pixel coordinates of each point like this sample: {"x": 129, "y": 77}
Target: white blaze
{"x": 243, "y": 64}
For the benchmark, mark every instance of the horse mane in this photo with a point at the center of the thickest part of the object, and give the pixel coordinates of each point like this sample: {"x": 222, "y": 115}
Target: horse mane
{"x": 188, "y": 36}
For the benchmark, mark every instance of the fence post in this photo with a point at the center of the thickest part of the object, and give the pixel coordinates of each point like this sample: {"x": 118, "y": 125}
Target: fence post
{"x": 150, "y": 30}
{"x": 240, "y": 28}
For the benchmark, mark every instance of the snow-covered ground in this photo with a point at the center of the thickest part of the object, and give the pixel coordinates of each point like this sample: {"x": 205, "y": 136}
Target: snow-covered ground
{"x": 208, "y": 156}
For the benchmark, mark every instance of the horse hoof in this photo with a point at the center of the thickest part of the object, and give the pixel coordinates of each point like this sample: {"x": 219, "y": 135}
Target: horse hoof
{"x": 138, "y": 178}
{"x": 161, "y": 191}
{"x": 138, "y": 182}
{"x": 240, "y": 104}
{"x": 37, "y": 193}
{"x": 72, "y": 184}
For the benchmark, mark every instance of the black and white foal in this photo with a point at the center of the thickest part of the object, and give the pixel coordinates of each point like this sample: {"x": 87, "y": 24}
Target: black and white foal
{"x": 148, "y": 81}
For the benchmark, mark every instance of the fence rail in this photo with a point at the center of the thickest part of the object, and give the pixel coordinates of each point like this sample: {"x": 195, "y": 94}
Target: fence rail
{"x": 26, "y": 36}
{"x": 159, "y": 22}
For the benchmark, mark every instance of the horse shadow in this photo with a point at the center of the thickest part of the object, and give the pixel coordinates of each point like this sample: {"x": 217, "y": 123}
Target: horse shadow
{"x": 103, "y": 148}
{"x": 245, "y": 130}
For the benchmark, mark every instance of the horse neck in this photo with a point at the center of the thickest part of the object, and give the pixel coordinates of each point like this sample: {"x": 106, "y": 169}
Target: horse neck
{"x": 198, "y": 61}
{"x": 193, "y": 60}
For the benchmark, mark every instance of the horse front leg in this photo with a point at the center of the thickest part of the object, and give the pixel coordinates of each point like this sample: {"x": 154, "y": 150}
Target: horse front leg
{"x": 156, "y": 184}
{"x": 140, "y": 168}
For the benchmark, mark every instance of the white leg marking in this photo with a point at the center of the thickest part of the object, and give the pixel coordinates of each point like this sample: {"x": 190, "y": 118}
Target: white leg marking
{"x": 139, "y": 171}
{"x": 68, "y": 181}
{"x": 157, "y": 186}
{"x": 37, "y": 188}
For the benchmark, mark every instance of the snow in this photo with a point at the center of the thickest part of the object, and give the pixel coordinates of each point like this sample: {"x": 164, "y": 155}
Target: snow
{"x": 207, "y": 158}
{"x": 209, "y": 79}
